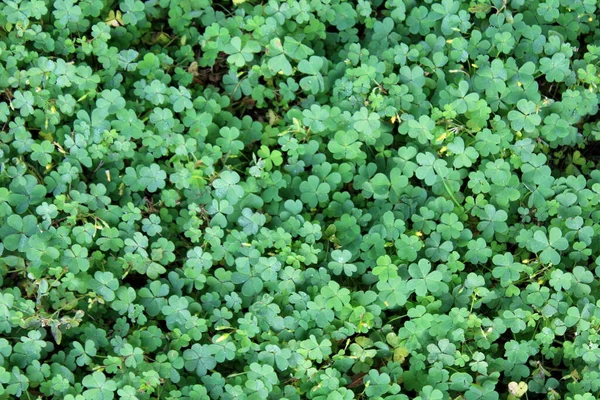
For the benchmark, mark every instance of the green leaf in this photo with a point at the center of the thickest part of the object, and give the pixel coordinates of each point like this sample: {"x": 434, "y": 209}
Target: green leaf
{"x": 240, "y": 54}
{"x": 367, "y": 125}
{"x": 393, "y": 292}
{"x": 380, "y": 186}
{"x": 556, "y": 69}
{"x": 526, "y": 118}
{"x": 106, "y": 285}
{"x": 314, "y": 82}
{"x": 335, "y": 296}
{"x": 549, "y": 246}
{"x": 340, "y": 263}
{"x": 424, "y": 280}
{"x": 199, "y": 359}
{"x": 98, "y": 387}
{"x": 507, "y": 270}
{"x": 430, "y": 168}
{"x": 463, "y": 157}
{"x": 385, "y": 270}
{"x": 313, "y": 191}
{"x": 492, "y": 222}
{"x": 478, "y": 252}
{"x": 278, "y": 62}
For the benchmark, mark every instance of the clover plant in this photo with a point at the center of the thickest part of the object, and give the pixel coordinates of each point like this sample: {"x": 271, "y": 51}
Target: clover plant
{"x": 324, "y": 199}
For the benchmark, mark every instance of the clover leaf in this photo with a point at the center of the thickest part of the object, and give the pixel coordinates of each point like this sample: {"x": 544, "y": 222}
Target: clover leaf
{"x": 299, "y": 199}
{"x": 199, "y": 359}
{"x": 549, "y": 246}
{"x": 241, "y": 55}
{"x": 98, "y": 387}
{"x": 556, "y": 69}
{"x": 526, "y": 118}
{"x": 424, "y": 280}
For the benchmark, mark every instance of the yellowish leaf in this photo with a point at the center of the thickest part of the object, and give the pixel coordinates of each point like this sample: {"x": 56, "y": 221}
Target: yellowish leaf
{"x": 222, "y": 338}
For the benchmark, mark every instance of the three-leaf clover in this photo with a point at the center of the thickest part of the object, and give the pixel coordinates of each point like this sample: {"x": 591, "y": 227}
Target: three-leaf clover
{"x": 424, "y": 280}
{"x": 199, "y": 359}
{"x": 549, "y": 246}
{"x": 98, "y": 387}
{"x": 241, "y": 54}
{"x": 526, "y": 118}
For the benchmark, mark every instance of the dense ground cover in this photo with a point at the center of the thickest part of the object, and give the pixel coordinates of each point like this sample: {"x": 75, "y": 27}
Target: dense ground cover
{"x": 312, "y": 199}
